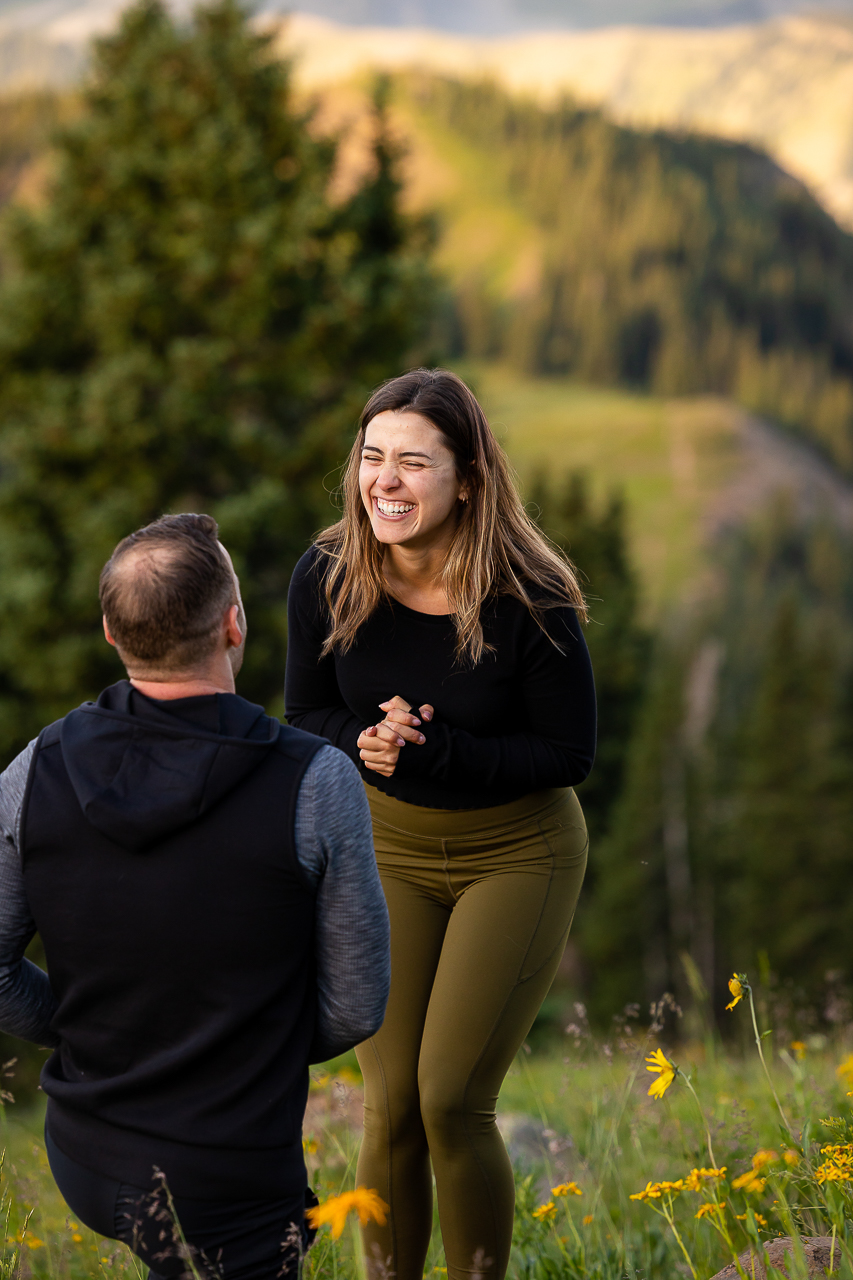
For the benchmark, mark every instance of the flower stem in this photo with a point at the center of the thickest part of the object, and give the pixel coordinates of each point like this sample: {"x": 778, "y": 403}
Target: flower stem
{"x": 723, "y": 1231}
{"x": 764, "y": 1064}
{"x": 667, "y": 1213}
{"x": 702, "y": 1118}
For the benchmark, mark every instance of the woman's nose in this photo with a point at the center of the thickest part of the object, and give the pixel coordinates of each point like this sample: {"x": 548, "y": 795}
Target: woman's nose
{"x": 388, "y": 478}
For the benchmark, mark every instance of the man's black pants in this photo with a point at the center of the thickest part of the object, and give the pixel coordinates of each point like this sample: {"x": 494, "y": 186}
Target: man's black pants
{"x": 232, "y": 1239}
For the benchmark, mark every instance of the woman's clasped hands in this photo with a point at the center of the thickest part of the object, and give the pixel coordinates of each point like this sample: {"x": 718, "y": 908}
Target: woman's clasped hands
{"x": 380, "y": 744}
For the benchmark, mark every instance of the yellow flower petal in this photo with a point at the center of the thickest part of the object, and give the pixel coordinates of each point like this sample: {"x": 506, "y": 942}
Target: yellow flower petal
{"x": 665, "y": 1070}
{"x": 334, "y": 1211}
{"x": 737, "y": 990}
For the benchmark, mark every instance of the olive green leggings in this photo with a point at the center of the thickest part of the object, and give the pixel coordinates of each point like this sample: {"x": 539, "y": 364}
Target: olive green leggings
{"x": 480, "y": 902}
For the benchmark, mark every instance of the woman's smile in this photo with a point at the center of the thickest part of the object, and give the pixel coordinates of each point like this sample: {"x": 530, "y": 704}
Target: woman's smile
{"x": 393, "y": 510}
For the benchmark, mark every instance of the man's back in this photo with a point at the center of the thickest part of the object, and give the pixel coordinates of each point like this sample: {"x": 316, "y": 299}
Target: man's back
{"x": 159, "y": 864}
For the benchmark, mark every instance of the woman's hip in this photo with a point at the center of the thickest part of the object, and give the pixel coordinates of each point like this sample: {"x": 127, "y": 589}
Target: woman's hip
{"x": 544, "y": 826}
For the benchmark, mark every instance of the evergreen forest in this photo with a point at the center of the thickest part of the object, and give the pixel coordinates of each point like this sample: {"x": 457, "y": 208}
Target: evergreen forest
{"x": 193, "y": 310}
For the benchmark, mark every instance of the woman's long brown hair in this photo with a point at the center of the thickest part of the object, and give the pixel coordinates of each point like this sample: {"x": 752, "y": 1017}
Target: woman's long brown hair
{"x": 496, "y": 549}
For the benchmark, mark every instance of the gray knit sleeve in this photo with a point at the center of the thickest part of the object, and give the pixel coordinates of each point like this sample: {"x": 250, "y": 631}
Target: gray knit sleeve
{"x": 27, "y": 1002}
{"x": 334, "y": 844}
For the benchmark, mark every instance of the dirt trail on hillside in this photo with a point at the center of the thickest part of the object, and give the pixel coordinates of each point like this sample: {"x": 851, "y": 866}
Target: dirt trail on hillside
{"x": 772, "y": 463}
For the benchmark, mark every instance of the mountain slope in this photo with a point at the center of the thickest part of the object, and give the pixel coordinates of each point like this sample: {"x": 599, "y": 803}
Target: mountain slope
{"x": 786, "y": 85}
{"x": 678, "y": 264}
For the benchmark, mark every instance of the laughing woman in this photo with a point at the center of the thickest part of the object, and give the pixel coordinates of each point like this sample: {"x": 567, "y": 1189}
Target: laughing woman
{"x": 436, "y": 603}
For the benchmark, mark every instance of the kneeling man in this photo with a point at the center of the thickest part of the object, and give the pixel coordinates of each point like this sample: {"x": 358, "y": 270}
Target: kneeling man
{"x": 204, "y": 883}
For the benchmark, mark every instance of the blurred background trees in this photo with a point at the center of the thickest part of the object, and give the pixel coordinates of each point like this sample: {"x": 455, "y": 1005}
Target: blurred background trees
{"x": 187, "y": 322}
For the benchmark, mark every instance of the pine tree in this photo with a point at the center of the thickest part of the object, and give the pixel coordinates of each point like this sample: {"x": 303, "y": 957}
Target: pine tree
{"x": 190, "y": 323}
{"x": 596, "y": 541}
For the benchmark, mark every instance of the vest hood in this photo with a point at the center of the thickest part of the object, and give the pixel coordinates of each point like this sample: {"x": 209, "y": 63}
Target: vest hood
{"x": 141, "y": 773}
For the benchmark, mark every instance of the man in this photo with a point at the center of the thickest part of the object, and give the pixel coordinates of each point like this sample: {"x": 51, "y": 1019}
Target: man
{"x": 203, "y": 881}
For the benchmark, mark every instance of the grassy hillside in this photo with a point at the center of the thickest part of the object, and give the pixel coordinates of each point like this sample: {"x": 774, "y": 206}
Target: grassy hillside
{"x": 669, "y": 457}
{"x": 677, "y": 264}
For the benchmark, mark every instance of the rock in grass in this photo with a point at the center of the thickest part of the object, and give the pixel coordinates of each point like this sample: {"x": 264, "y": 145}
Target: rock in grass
{"x": 818, "y": 1251}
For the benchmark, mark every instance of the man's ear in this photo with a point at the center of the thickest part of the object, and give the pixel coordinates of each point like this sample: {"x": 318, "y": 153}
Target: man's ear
{"x": 107, "y": 632}
{"x": 233, "y": 635}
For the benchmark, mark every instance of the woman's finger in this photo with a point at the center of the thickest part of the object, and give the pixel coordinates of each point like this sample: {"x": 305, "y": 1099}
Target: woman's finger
{"x": 391, "y": 733}
{"x": 396, "y": 703}
{"x": 385, "y": 769}
{"x": 404, "y": 731}
{"x": 427, "y": 712}
{"x": 384, "y": 745}
{"x": 401, "y": 717}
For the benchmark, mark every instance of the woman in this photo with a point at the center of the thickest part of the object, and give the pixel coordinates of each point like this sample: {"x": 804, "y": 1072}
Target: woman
{"x": 435, "y": 591}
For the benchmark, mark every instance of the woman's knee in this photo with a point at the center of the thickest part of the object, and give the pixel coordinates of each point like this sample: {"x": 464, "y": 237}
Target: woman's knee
{"x": 392, "y": 1112}
{"x": 451, "y": 1107}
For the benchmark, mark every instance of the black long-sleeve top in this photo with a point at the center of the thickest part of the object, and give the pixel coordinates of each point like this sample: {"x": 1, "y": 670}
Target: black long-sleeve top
{"x": 521, "y": 720}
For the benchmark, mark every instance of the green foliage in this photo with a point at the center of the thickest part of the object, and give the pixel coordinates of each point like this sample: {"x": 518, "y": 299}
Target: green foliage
{"x": 673, "y": 263}
{"x": 189, "y": 324}
{"x": 733, "y": 832}
{"x": 596, "y": 543}
{"x": 26, "y": 122}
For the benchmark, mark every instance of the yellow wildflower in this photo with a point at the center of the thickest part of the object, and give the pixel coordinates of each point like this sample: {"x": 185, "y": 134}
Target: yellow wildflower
{"x": 845, "y": 1070}
{"x": 335, "y": 1211}
{"x": 587, "y": 1220}
{"x": 545, "y": 1211}
{"x": 737, "y": 989}
{"x": 33, "y": 1242}
{"x": 749, "y": 1182}
{"x": 652, "y": 1191}
{"x": 839, "y": 1166}
{"x": 566, "y": 1189}
{"x": 706, "y": 1209}
{"x": 665, "y": 1071}
{"x": 309, "y": 1146}
{"x": 696, "y": 1177}
{"x": 791, "y": 1158}
{"x": 762, "y": 1222}
{"x": 799, "y": 1048}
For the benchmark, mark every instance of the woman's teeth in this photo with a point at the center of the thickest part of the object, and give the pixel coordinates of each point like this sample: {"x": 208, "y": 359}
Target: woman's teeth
{"x": 394, "y": 508}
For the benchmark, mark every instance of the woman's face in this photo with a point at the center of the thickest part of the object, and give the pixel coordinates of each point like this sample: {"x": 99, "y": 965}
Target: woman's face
{"x": 408, "y": 480}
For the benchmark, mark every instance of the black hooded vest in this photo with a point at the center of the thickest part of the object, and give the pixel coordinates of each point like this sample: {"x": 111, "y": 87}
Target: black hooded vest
{"x": 160, "y": 866}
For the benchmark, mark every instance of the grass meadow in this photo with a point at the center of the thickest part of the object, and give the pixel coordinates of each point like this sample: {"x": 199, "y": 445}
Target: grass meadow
{"x": 611, "y": 1182}
{"x": 670, "y": 458}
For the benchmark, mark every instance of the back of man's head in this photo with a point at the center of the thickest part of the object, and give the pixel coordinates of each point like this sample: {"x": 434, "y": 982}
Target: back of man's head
{"x": 164, "y": 593}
